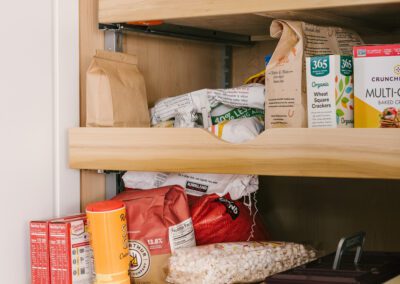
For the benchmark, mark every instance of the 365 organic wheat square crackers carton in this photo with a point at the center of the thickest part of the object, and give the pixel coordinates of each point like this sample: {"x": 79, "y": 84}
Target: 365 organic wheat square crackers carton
{"x": 330, "y": 91}
{"x": 377, "y": 86}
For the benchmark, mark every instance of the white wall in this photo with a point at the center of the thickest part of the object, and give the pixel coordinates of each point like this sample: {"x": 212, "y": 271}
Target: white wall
{"x": 39, "y": 101}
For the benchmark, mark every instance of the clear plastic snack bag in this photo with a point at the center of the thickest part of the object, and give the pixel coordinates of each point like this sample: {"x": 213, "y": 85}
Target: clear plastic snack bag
{"x": 242, "y": 262}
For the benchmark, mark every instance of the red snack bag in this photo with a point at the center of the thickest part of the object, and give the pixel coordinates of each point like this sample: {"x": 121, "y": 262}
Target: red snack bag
{"x": 219, "y": 219}
{"x": 158, "y": 222}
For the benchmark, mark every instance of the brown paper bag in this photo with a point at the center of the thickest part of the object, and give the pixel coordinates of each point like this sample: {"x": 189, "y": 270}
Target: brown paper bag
{"x": 286, "y": 94}
{"x": 115, "y": 92}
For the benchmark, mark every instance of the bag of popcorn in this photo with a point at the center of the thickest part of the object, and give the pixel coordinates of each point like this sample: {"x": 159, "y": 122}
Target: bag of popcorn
{"x": 242, "y": 262}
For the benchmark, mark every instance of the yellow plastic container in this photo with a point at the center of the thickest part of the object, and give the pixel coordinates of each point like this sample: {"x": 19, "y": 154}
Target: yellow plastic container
{"x": 109, "y": 239}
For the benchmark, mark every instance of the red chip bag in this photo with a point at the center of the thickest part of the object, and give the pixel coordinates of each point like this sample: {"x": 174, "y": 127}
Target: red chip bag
{"x": 158, "y": 222}
{"x": 219, "y": 219}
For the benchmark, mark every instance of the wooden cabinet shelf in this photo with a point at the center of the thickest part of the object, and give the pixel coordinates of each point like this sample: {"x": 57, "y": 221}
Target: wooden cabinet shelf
{"x": 358, "y": 153}
{"x": 293, "y": 208}
{"x": 253, "y": 17}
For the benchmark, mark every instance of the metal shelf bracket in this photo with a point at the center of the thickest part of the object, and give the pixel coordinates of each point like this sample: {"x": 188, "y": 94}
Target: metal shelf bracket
{"x": 113, "y": 39}
{"x": 184, "y": 32}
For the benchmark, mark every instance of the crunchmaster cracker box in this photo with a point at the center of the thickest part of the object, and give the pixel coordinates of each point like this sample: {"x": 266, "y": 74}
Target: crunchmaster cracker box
{"x": 377, "y": 86}
{"x": 330, "y": 91}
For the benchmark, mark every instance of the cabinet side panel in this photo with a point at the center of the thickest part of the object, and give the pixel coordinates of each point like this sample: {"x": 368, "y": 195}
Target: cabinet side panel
{"x": 90, "y": 39}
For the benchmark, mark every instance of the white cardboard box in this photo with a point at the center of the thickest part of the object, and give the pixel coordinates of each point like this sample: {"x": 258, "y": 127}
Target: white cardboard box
{"x": 377, "y": 86}
{"x": 330, "y": 91}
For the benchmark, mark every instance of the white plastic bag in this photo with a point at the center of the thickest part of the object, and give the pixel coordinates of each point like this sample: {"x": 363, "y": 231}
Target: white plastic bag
{"x": 242, "y": 262}
{"x": 169, "y": 108}
{"x": 238, "y": 130}
{"x": 202, "y": 101}
{"x": 251, "y": 95}
{"x": 223, "y": 113}
{"x": 195, "y": 184}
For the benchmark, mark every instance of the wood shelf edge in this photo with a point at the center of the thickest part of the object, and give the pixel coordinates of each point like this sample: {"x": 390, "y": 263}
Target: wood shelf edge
{"x": 352, "y": 153}
{"x": 117, "y": 11}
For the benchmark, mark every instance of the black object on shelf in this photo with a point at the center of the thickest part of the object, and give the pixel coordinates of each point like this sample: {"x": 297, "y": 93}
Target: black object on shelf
{"x": 183, "y": 32}
{"x": 346, "y": 244}
{"x": 344, "y": 266}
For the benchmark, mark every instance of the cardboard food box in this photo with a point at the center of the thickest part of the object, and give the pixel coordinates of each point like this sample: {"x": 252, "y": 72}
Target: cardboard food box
{"x": 377, "y": 86}
{"x": 71, "y": 257}
{"x": 39, "y": 240}
{"x": 330, "y": 91}
{"x": 40, "y": 250}
{"x": 285, "y": 74}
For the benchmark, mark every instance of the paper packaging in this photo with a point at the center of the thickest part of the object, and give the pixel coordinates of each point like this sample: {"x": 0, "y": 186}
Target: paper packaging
{"x": 330, "y": 91}
{"x": 377, "y": 86}
{"x": 115, "y": 92}
{"x": 286, "y": 100}
{"x": 71, "y": 258}
{"x": 40, "y": 249}
{"x": 40, "y": 262}
{"x": 158, "y": 223}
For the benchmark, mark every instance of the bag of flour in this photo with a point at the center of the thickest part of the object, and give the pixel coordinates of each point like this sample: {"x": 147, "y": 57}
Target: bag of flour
{"x": 195, "y": 184}
{"x": 286, "y": 100}
{"x": 115, "y": 92}
{"x": 158, "y": 222}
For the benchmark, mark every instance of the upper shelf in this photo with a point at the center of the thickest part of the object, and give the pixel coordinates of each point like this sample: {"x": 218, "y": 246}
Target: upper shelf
{"x": 253, "y": 17}
{"x": 358, "y": 153}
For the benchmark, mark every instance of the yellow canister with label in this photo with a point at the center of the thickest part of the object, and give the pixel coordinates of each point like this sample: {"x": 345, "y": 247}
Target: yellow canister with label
{"x": 109, "y": 240}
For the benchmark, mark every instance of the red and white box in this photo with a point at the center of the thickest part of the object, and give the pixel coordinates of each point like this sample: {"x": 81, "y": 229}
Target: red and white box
{"x": 71, "y": 257}
{"x": 40, "y": 249}
{"x": 40, "y": 265}
{"x": 376, "y": 50}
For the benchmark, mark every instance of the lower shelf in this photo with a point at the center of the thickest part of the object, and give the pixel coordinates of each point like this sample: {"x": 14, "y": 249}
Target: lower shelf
{"x": 357, "y": 153}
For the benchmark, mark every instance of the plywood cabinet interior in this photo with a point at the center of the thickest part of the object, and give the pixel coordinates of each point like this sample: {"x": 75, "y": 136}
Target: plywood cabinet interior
{"x": 172, "y": 66}
{"x": 169, "y": 66}
{"x": 297, "y": 209}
